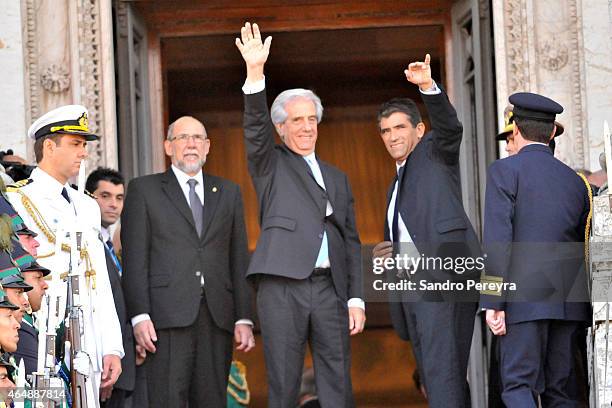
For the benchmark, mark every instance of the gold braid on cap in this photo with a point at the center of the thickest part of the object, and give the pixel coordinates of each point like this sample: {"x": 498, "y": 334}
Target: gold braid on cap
{"x": 40, "y": 222}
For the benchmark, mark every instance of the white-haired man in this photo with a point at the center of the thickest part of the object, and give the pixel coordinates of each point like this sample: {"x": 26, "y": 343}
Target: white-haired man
{"x": 307, "y": 262}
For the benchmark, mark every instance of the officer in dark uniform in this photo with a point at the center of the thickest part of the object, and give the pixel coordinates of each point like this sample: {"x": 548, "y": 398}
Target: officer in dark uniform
{"x": 32, "y": 271}
{"x": 507, "y": 136}
{"x": 8, "y": 324}
{"x": 536, "y": 208}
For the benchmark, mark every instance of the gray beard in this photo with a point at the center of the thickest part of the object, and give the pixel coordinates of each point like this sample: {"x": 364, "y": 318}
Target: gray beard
{"x": 190, "y": 168}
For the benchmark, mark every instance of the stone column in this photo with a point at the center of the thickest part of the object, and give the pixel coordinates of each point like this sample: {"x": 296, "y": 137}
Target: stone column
{"x": 559, "y": 48}
{"x": 12, "y": 103}
{"x": 597, "y": 40}
{"x": 68, "y": 48}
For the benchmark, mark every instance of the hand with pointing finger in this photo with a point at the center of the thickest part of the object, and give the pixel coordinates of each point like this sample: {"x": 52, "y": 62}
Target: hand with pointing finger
{"x": 419, "y": 73}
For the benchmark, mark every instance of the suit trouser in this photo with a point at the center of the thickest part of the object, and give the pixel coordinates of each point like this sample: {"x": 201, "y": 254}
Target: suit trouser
{"x": 536, "y": 358}
{"x": 292, "y": 313}
{"x": 191, "y": 364}
{"x": 441, "y": 336}
{"x": 118, "y": 399}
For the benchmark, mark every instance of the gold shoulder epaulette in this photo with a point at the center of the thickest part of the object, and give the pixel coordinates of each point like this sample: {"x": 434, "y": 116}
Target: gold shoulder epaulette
{"x": 19, "y": 184}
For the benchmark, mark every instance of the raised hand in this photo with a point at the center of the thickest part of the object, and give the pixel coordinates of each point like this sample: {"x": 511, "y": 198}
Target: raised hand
{"x": 419, "y": 73}
{"x": 254, "y": 51}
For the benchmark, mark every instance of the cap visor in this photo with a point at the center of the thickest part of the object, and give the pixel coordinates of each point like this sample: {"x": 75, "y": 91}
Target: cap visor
{"x": 27, "y": 231}
{"x": 560, "y": 129}
{"x": 36, "y": 268}
{"x": 18, "y": 285}
{"x": 88, "y": 136}
{"x": 502, "y": 136}
{"x": 8, "y": 305}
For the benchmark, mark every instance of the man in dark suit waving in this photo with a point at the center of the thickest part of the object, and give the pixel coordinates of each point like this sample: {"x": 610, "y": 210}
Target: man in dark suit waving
{"x": 184, "y": 261}
{"x": 307, "y": 262}
{"x": 425, "y": 212}
{"x": 536, "y": 218}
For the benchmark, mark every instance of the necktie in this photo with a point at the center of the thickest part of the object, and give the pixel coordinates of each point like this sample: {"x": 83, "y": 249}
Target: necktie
{"x": 323, "y": 256}
{"x": 196, "y": 205}
{"x": 395, "y": 226}
{"x": 111, "y": 250}
{"x": 65, "y": 195}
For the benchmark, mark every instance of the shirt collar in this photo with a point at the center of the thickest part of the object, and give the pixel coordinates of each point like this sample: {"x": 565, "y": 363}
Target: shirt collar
{"x": 399, "y": 165}
{"x": 183, "y": 177}
{"x": 48, "y": 183}
{"x": 310, "y": 158}
{"x": 536, "y": 143}
{"x": 105, "y": 234}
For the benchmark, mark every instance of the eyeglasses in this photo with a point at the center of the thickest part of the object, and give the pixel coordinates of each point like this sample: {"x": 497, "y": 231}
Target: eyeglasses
{"x": 184, "y": 138}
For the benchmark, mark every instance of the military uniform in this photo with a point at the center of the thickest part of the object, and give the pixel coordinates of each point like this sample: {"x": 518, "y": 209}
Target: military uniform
{"x": 536, "y": 215}
{"x": 509, "y": 127}
{"x": 48, "y": 206}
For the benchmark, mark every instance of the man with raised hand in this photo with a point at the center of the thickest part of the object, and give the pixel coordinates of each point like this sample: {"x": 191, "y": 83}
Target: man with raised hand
{"x": 425, "y": 212}
{"x": 307, "y": 264}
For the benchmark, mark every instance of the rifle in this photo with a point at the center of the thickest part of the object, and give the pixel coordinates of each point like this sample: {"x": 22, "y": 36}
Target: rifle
{"x": 75, "y": 327}
{"x": 45, "y": 377}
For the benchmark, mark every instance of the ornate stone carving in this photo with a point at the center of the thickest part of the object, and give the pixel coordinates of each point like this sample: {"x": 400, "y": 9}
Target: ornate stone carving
{"x": 553, "y": 55}
{"x": 31, "y": 61}
{"x": 483, "y": 8}
{"x": 55, "y": 79}
{"x": 516, "y": 43}
{"x": 90, "y": 73}
{"x": 576, "y": 81}
{"x": 121, "y": 13}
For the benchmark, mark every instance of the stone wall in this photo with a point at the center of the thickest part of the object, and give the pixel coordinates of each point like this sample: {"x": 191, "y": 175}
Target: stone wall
{"x": 562, "y": 49}
{"x": 65, "y": 57}
{"x": 12, "y": 103}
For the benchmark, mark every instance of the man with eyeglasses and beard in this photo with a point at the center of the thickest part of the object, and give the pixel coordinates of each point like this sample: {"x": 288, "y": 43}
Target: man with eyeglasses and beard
{"x": 184, "y": 260}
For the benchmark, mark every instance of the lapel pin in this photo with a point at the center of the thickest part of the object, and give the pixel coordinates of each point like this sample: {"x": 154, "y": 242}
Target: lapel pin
{"x": 214, "y": 189}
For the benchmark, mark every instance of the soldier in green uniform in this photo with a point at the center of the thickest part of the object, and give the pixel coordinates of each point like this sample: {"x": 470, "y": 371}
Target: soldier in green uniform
{"x": 6, "y": 383}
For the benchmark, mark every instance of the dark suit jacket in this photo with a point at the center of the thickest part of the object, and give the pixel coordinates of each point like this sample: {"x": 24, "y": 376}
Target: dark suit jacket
{"x": 292, "y": 209}
{"x": 27, "y": 347}
{"x": 128, "y": 363}
{"x": 430, "y": 203}
{"x": 540, "y": 206}
{"x": 163, "y": 257}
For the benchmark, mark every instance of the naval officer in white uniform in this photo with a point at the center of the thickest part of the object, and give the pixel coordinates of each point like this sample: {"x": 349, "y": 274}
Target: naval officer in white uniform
{"x": 48, "y": 204}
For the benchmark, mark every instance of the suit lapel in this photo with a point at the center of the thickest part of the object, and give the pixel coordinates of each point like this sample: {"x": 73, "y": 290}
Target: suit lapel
{"x": 304, "y": 174}
{"x": 171, "y": 188}
{"x": 212, "y": 192}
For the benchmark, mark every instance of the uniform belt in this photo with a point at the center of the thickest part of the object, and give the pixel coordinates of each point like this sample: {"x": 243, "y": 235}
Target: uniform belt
{"x": 321, "y": 271}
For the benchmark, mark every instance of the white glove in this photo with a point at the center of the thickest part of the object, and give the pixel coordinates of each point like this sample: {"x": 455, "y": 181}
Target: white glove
{"x": 81, "y": 363}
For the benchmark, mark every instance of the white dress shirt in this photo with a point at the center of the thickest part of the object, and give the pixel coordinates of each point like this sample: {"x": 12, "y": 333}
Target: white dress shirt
{"x": 183, "y": 178}
{"x": 404, "y": 235}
